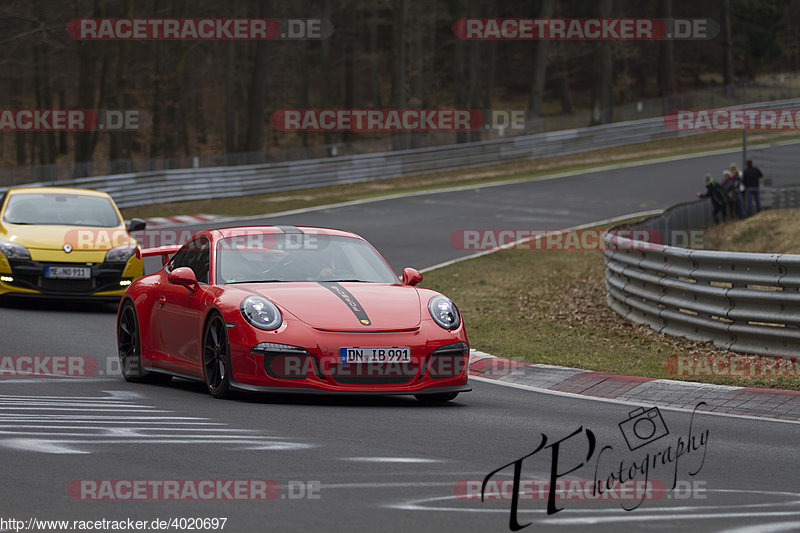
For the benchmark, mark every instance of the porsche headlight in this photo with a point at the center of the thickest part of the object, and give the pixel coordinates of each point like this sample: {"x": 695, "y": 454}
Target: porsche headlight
{"x": 13, "y": 250}
{"x": 120, "y": 254}
{"x": 261, "y": 313}
{"x": 444, "y": 312}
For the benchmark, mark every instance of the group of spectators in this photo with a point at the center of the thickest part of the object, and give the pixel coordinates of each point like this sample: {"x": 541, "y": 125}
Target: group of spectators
{"x": 736, "y": 189}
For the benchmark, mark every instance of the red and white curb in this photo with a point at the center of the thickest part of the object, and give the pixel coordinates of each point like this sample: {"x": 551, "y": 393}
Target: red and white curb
{"x": 770, "y": 403}
{"x": 179, "y": 220}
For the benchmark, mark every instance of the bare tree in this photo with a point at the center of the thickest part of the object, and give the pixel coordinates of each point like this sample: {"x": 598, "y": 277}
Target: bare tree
{"x": 666, "y": 59}
{"x": 539, "y": 66}
{"x": 727, "y": 45}
{"x": 602, "y": 109}
{"x": 399, "y": 22}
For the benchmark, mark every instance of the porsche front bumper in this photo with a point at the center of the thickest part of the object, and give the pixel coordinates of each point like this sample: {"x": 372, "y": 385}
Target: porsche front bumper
{"x": 434, "y": 368}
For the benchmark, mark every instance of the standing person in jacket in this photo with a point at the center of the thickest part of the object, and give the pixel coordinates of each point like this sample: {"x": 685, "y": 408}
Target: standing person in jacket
{"x": 751, "y": 178}
{"x": 732, "y": 183}
{"x": 737, "y": 180}
{"x": 716, "y": 194}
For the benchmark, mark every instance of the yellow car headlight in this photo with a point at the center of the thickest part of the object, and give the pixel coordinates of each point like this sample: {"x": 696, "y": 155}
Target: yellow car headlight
{"x": 13, "y": 250}
{"x": 120, "y": 254}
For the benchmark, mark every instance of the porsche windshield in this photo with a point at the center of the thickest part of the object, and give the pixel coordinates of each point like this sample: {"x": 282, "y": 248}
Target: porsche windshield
{"x": 258, "y": 257}
{"x": 61, "y": 209}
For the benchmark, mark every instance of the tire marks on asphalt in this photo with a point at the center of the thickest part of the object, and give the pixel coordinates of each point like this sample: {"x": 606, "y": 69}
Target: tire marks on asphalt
{"x": 83, "y": 425}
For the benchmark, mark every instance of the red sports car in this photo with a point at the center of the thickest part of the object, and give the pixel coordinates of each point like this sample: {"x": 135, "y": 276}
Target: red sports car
{"x": 290, "y": 309}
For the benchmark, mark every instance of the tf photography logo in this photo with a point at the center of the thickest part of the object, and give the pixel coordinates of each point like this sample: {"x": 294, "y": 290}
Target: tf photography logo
{"x": 618, "y": 473}
{"x": 643, "y": 427}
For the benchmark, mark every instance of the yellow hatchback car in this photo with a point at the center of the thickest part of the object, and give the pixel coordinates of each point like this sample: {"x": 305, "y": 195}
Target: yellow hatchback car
{"x": 65, "y": 243}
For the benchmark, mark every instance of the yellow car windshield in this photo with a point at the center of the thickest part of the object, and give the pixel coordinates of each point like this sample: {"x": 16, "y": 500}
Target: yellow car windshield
{"x": 61, "y": 209}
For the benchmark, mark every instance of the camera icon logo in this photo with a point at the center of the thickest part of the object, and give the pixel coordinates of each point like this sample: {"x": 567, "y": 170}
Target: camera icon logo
{"x": 643, "y": 427}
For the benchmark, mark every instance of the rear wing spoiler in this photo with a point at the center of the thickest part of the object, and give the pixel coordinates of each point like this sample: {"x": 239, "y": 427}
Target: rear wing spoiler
{"x": 163, "y": 251}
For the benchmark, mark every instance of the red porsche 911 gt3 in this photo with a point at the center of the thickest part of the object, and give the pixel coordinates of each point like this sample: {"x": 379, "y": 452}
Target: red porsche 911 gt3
{"x": 290, "y": 309}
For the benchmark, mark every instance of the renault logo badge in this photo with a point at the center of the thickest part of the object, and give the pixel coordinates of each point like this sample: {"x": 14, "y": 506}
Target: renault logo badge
{"x": 67, "y": 247}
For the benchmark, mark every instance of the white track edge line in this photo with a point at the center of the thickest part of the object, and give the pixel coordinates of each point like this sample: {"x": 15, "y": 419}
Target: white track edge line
{"x": 626, "y": 402}
{"x": 541, "y": 235}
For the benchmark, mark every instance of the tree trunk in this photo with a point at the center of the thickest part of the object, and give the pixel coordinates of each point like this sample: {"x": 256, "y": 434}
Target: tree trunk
{"x": 666, "y": 71}
{"x": 458, "y": 68}
{"x": 727, "y": 45}
{"x": 418, "y": 63}
{"x": 177, "y": 115}
{"x": 254, "y": 140}
{"x": 491, "y": 73}
{"x": 349, "y": 85}
{"x": 562, "y": 83}
{"x": 374, "y": 57}
{"x": 155, "y": 136}
{"x": 602, "y": 109}
{"x": 474, "y": 83}
{"x": 87, "y": 76}
{"x": 62, "y": 135}
{"x": 19, "y": 135}
{"x": 117, "y": 141}
{"x": 399, "y": 21}
{"x": 326, "y": 73}
{"x": 41, "y": 89}
{"x": 539, "y": 67}
{"x": 230, "y": 98}
{"x": 304, "y": 85}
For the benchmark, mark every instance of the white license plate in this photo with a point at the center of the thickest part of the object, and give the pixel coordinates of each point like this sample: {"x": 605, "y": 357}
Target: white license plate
{"x": 68, "y": 272}
{"x": 394, "y": 354}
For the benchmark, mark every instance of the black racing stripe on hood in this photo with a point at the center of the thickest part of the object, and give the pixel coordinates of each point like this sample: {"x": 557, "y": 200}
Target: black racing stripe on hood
{"x": 349, "y": 300}
{"x": 289, "y": 229}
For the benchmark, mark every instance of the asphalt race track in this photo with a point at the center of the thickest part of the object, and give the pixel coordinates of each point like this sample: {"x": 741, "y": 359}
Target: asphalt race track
{"x": 415, "y": 231}
{"x": 388, "y": 463}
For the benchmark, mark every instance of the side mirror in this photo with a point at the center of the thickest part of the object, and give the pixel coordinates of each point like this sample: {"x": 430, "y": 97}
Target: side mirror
{"x": 136, "y": 224}
{"x": 184, "y": 276}
{"x": 411, "y": 276}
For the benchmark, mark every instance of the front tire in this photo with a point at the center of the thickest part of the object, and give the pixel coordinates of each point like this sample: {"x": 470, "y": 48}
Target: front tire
{"x": 129, "y": 346}
{"x": 216, "y": 358}
{"x": 439, "y": 397}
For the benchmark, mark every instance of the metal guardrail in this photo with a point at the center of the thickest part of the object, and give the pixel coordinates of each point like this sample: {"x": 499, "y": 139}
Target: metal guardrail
{"x": 782, "y": 197}
{"x": 744, "y": 302}
{"x": 143, "y": 188}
